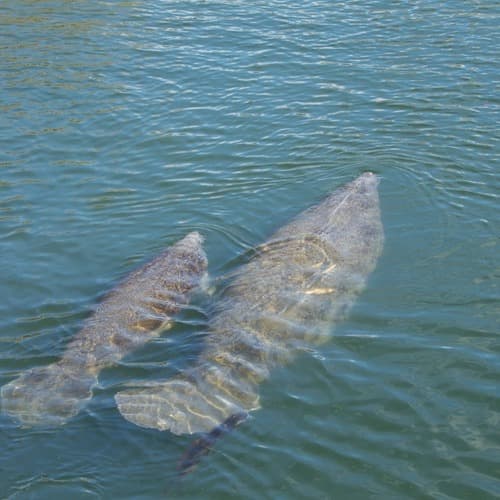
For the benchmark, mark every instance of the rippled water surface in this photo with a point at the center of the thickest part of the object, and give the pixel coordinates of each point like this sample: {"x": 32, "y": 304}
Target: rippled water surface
{"x": 126, "y": 124}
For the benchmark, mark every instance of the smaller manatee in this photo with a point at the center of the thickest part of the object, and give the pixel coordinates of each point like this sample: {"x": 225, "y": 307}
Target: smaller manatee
{"x": 134, "y": 312}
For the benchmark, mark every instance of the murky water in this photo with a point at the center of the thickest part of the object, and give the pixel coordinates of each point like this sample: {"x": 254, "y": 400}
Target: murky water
{"x": 125, "y": 125}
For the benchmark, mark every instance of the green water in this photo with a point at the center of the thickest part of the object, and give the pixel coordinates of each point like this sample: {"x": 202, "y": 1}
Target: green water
{"x": 126, "y": 124}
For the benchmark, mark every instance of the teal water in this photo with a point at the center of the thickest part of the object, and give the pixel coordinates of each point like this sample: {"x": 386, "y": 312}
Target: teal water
{"x": 126, "y": 124}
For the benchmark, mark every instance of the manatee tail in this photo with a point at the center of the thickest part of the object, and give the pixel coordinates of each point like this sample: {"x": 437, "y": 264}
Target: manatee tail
{"x": 187, "y": 404}
{"x": 47, "y": 395}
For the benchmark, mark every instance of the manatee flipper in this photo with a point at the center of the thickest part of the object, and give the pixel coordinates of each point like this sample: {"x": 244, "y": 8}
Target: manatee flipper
{"x": 134, "y": 312}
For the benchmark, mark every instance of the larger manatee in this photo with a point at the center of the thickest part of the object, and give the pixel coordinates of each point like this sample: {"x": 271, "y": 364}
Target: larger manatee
{"x": 288, "y": 297}
{"x": 135, "y": 311}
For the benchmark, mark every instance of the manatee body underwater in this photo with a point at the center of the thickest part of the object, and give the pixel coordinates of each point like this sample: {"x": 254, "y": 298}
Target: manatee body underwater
{"x": 300, "y": 283}
{"x": 134, "y": 312}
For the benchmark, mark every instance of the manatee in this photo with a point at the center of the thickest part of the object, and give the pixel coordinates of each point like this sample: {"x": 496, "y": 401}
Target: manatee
{"x": 286, "y": 299}
{"x": 134, "y": 312}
